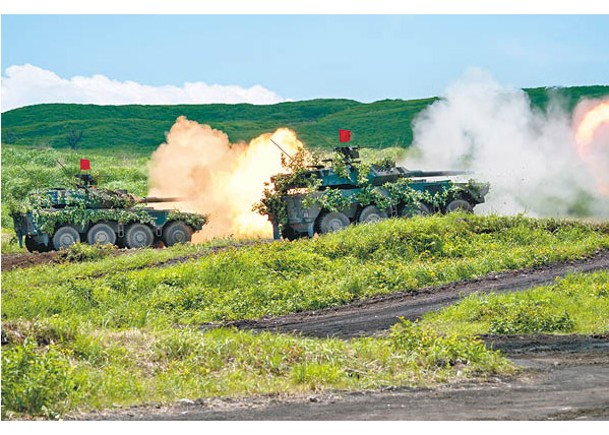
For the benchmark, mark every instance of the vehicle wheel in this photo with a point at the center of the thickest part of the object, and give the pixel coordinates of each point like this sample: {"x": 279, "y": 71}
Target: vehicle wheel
{"x": 459, "y": 205}
{"x": 289, "y": 233}
{"x": 371, "y": 214}
{"x": 101, "y": 233}
{"x": 415, "y": 210}
{"x": 176, "y": 232}
{"x": 33, "y": 246}
{"x": 334, "y": 221}
{"x": 138, "y": 236}
{"x": 65, "y": 236}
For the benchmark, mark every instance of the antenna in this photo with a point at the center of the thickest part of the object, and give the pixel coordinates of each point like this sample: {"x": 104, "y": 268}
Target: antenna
{"x": 281, "y": 149}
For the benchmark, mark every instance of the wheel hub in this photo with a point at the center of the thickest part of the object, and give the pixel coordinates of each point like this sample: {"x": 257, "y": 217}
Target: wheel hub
{"x": 101, "y": 237}
{"x": 179, "y": 236}
{"x": 66, "y": 240}
{"x": 336, "y": 224}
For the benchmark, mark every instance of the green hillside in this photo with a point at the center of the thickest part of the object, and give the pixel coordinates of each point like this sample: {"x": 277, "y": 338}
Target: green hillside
{"x": 142, "y": 128}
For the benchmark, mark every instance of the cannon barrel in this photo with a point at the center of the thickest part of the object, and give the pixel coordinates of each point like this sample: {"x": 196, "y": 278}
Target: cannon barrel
{"x": 153, "y": 199}
{"x": 434, "y": 173}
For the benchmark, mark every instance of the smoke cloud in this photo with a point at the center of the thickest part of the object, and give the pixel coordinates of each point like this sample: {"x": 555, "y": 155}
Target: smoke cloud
{"x": 529, "y": 156}
{"x": 28, "y": 84}
{"x": 218, "y": 178}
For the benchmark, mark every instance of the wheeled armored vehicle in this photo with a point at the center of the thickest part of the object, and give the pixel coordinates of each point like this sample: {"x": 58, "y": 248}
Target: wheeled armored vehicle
{"x": 57, "y": 218}
{"x": 324, "y": 199}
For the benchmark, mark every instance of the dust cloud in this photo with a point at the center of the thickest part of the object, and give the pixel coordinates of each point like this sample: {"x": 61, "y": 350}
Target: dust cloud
{"x": 215, "y": 177}
{"x": 530, "y": 157}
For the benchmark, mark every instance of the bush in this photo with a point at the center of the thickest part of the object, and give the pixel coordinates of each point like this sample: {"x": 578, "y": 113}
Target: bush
{"x": 526, "y": 317}
{"x": 84, "y": 252}
{"x": 36, "y": 381}
{"x": 425, "y": 347}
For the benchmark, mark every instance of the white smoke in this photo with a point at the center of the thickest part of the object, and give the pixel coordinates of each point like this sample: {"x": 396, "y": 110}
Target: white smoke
{"x": 527, "y": 155}
{"x": 28, "y": 84}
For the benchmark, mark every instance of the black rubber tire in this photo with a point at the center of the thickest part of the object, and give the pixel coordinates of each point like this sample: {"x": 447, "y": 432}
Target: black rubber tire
{"x": 459, "y": 205}
{"x": 333, "y": 221}
{"x": 417, "y": 210}
{"x": 371, "y": 214}
{"x": 33, "y": 246}
{"x": 101, "y": 233}
{"x": 289, "y": 234}
{"x": 138, "y": 236}
{"x": 176, "y": 232}
{"x": 65, "y": 237}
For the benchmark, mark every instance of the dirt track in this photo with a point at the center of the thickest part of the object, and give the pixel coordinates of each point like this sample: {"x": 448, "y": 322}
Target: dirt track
{"x": 562, "y": 377}
{"x": 17, "y": 261}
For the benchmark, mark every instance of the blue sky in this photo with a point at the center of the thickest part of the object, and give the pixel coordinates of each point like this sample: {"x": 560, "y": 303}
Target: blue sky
{"x": 362, "y": 57}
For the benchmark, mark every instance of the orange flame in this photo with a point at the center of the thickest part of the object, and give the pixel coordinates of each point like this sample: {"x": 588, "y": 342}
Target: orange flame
{"x": 218, "y": 178}
{"x": 590, "y": 123}
{"x": 592, "y": 141}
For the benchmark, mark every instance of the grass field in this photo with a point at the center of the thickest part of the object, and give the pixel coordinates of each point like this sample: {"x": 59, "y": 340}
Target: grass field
{"x": 61, "y": 367}
{"x": 124, "y": 331}
{"x": 279, "y": 278}
{"x": 127, "y": 330}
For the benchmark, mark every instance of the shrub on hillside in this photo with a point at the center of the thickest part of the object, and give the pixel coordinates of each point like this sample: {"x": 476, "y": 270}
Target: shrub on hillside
{"x": 526, "y": 317}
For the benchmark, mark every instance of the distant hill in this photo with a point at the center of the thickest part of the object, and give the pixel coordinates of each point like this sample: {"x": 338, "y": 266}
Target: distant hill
{"x": 142, "y": 128}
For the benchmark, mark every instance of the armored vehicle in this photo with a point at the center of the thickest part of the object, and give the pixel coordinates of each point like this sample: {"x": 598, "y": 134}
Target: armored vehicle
{"x": 322, "y": 199}
{"x": 57, "y": 218}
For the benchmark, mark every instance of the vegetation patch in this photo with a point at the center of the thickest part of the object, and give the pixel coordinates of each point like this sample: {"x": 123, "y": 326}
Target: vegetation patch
{"x": 10, "y": 244}
{"x": 578, "y": 303}
{"x": 79, "y": 252}
{"x": 132, "y": 336}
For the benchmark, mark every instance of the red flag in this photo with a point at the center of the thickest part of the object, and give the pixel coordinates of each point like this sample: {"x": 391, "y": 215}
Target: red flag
{"x": 344, "y": 135}
{"x": 85, "y": 164}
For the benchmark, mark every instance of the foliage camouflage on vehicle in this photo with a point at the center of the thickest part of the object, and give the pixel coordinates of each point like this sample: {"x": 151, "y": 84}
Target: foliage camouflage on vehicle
{"x": 348, "y": 183}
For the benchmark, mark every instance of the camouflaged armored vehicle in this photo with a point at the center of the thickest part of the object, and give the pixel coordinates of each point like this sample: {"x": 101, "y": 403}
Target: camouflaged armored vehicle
{"x": 59, "y": 217}
{"x": 323, "y": 199}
